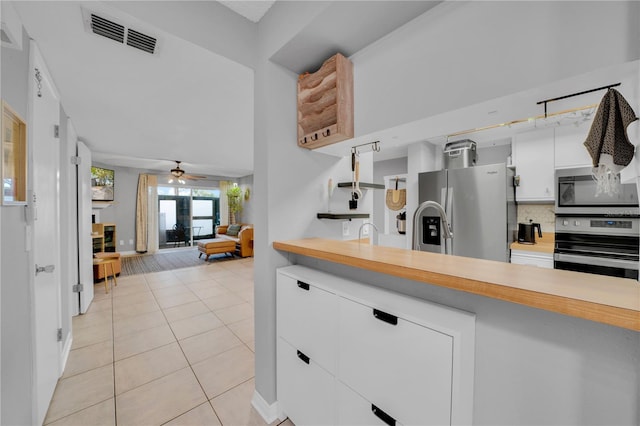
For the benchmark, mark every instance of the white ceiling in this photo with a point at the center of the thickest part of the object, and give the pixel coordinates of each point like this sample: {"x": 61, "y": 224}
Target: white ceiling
{"x": 252, "y": 10}
{"x": 182, "y": 103}
{"x": 192, "y": 100}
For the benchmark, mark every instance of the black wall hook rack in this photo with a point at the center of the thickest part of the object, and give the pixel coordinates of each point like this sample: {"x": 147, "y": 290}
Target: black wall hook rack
{"x": 574, "y": 94}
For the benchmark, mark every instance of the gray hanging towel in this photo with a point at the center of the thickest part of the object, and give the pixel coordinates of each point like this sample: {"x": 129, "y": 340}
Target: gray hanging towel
{"x": 608, "y": 143}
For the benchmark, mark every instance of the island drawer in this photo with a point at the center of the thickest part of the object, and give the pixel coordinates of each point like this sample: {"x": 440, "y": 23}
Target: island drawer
{"x": 306, "y": 391}
{"x": 308, "y": 319}
{"x": 396, "y": 363}
{"x": 354, "y": 410}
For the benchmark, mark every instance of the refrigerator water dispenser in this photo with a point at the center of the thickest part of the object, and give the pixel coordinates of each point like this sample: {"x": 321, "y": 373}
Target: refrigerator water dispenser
{"x": 431, "y": 230}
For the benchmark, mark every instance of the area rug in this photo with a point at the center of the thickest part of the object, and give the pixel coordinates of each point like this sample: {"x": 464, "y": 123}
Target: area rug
{"x": 175, "y": 259}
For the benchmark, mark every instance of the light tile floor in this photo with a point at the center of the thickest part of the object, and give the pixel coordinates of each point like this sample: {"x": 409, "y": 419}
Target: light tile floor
{"x": 172, "y": 347}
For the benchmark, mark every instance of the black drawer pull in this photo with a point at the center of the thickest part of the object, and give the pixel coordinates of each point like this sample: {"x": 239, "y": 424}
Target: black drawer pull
{"x": 303, "y": 286}
{"x": 383, "y": 416}
{"x": 383, "y": 316}
{"x": 303, "y": 357}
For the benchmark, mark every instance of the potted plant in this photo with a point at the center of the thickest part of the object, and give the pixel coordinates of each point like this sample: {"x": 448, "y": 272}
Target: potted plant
{"x": 234, "y": 197}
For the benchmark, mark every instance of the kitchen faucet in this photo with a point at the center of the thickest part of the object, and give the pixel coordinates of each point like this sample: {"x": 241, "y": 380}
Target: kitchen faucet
{"x": 448, "y": 234}
{"x": 370, "y": 238}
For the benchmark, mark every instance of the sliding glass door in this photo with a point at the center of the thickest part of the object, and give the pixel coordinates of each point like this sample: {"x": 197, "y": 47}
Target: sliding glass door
{"x": 187, "y": 215}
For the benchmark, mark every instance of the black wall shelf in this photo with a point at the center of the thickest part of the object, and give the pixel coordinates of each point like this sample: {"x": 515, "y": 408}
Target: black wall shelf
{"x": 362, "y": 185}
{"x": 343, "y": 216}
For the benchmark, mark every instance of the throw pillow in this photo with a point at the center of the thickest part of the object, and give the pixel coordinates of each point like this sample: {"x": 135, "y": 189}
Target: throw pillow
{"x": 233, "y": 230}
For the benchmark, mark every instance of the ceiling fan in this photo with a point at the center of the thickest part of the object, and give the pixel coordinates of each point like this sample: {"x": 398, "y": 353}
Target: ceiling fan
{"x": 180, "y": 175}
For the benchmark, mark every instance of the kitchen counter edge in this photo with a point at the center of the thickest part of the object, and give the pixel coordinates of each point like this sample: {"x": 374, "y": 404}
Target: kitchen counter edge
{"x": 607, "y": 300}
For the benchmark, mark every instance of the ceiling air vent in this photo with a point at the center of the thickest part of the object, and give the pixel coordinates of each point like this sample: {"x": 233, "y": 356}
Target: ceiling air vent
{"x": 107, "y": 28}
{"x": 140, "y": 41}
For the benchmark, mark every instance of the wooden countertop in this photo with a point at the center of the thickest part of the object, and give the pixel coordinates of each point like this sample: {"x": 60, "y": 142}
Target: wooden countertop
{"x": 542, "y": 245}
{"x": 608, "y": 300}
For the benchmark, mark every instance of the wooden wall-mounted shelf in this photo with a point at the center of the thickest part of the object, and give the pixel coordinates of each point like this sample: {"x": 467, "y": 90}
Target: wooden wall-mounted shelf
{"x": 325, "y": 104}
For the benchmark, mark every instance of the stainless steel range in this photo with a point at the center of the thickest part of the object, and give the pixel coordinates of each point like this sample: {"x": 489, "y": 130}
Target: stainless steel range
{"x": 600, "y": 235}
{"x": 598, "y": 245}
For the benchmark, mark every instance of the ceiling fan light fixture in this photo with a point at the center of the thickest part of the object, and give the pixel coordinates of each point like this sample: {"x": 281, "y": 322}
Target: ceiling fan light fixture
{"x": 177, "y": 172}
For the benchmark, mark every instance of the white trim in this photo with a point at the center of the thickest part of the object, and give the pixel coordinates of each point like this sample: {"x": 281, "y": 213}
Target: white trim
{"x": 269, "y": 412}
{"x": 128, "y": 253}
{"x": 65, "y": 352}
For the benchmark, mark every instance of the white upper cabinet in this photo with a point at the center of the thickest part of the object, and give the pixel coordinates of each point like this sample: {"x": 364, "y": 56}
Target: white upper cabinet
{"x": 533, "y": 157}
{"x": 569, "y": 148}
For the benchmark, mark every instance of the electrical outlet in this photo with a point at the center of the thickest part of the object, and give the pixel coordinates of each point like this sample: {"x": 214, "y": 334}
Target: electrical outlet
{"x": 131, "y": 241}
{"x": 365, "y": 229}
{"x": 121, "y": 242}
{"x": 345, "y": 229}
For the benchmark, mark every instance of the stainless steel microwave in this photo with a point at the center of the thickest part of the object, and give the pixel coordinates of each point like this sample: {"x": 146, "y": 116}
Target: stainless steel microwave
{"x": 576, "y": 195}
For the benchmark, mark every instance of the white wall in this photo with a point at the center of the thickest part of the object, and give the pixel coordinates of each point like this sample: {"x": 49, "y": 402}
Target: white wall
{"x": 396, "y": 166}
{"x": 123, "y": 210}
{"x": 460, "y": 54}
{"x": 248, "y": 205}
{"x": 463, "y": 53}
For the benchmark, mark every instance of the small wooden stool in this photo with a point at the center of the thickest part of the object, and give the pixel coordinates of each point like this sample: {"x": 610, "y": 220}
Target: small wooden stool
{"x": 104, "y": 262}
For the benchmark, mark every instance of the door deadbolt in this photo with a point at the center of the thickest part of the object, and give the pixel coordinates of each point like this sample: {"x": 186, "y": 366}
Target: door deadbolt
{"x": 48, "y": 269}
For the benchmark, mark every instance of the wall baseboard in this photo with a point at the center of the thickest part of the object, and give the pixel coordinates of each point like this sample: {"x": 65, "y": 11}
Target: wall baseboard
{"x": 65, "y": 352}
{"x": 269, "y": 412}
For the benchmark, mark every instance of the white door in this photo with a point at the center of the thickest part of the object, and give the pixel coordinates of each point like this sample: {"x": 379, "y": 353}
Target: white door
{"x": 85, "y": 248}
{"x": 45, "y": 115}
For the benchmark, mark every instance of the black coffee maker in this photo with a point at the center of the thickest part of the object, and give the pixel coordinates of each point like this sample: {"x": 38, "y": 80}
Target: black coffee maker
{"x": 527, "y": 232}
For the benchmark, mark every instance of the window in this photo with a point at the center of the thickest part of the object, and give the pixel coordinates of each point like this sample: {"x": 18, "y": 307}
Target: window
{"x": 187, "y": 215}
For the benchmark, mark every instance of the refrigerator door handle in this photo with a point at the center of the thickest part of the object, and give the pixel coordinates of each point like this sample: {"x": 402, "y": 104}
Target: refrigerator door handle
{"x": 449, "y": 207}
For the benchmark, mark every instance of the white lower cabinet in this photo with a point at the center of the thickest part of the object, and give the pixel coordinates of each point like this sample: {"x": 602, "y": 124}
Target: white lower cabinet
{"x": 541, "y": 260}
{"x": 396, "y": 364}
{"x": 354, "y": 354}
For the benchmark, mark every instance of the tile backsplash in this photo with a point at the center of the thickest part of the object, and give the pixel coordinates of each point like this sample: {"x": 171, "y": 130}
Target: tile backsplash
{"x": 539, "y": 213}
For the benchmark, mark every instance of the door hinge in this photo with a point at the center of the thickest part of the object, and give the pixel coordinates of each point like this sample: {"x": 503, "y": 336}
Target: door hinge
{"x": 59, "y": 335}
{"x": 75, "y": 160}
{"x": 78, "y": 288}
{"x": 56, "y": 131}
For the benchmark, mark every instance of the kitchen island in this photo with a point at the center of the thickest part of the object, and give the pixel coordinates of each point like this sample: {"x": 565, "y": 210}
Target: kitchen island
{"x": 551, "y": 346}
{"x": 613, "y": 301}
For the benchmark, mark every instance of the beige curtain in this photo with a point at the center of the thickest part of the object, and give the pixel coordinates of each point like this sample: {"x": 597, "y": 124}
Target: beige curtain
{"x": 152, "y": 214}
{"x": 143, "y": 229}
{"x": 224, "y": 203}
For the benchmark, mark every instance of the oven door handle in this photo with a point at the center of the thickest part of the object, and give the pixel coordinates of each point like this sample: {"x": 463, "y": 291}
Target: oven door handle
{"x": 596, "y": 261}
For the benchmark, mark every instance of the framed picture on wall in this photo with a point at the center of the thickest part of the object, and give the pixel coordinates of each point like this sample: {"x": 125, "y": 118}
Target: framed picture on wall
{"x": 14, "y": 157}
{"x": 102, "y": 180}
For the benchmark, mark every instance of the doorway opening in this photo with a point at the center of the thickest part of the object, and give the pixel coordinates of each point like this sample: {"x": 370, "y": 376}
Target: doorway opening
{"x": 186, "y": 215}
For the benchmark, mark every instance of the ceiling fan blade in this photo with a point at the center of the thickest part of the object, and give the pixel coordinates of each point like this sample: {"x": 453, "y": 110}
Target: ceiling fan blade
{"x": 193, "y": 177}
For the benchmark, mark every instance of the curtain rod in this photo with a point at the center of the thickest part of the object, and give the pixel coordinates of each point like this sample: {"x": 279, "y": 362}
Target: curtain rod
{"x": 523, "y": 120}
{"x": 574, "y": 94}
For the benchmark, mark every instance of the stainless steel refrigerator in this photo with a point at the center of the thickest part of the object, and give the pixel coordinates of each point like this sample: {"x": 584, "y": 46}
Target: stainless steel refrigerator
{"x": 480, "y": 207}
